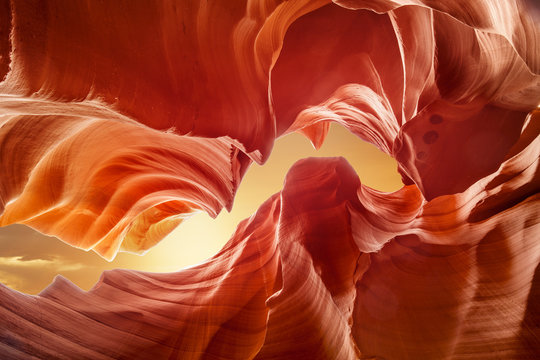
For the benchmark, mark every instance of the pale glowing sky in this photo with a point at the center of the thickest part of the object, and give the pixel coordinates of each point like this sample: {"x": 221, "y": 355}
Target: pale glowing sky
{"x": 29, "y": 261}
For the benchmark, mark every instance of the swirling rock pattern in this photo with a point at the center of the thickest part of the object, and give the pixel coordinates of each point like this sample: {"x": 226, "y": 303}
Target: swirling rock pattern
{"x": 127, "y": 117}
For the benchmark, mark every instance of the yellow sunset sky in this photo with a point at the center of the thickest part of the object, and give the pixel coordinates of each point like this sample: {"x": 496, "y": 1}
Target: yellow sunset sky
{"x": 29, "y": 261}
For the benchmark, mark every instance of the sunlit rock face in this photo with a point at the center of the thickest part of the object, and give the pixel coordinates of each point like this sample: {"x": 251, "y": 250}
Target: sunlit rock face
{"x": 118, "y": 119}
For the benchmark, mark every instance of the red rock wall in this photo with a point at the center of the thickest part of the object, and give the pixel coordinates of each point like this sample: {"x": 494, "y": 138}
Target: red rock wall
{"x": 117, "y": 119}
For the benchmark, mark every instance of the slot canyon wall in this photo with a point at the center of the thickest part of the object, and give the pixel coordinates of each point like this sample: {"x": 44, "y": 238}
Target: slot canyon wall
{"x": 119, "y": 119}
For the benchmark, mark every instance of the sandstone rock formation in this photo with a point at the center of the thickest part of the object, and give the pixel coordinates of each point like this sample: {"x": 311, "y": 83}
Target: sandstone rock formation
{"x": 118, "y": 119}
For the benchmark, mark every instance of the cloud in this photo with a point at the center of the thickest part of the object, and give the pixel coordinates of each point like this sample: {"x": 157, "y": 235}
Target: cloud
{"x": 33, "y": 257}
{"x": 29, "y": 260}
{"x": 53, "y": 264}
